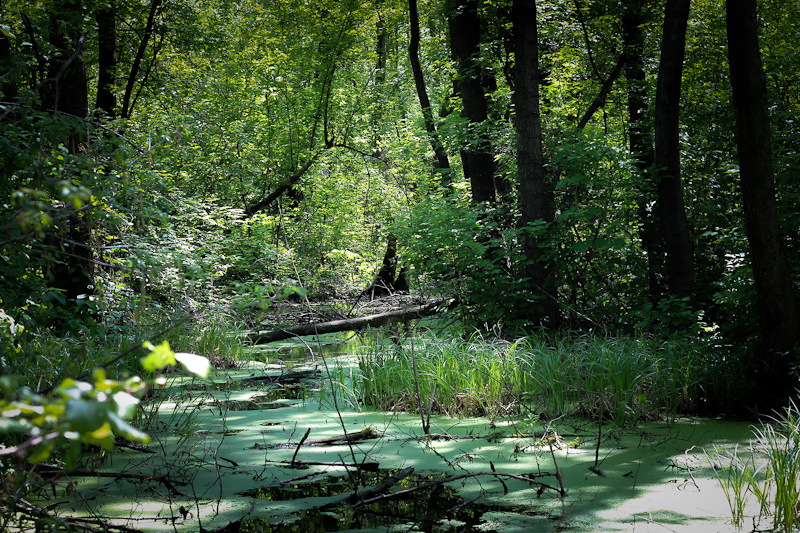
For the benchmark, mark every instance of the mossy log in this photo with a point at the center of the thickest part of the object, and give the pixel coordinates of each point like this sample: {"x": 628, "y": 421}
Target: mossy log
{"x": 348, "y": 324}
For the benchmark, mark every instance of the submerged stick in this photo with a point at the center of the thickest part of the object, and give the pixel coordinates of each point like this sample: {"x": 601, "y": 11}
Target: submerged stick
{"x": 299, "y": 444}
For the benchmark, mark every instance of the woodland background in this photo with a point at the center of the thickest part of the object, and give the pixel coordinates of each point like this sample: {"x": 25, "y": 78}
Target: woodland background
{"x": 616, "y": 168}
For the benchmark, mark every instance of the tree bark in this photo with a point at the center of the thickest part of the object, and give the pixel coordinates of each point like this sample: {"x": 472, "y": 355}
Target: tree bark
{"x": 478, "y": 160}
{"x": 442, "y": 161}
{"x": 777, "y": 307}
{"x": 348, "y": 324}
{"x": 8, "y": 85}
{"x": 127, "y": 105}
{"x": 388, "y": 281}
{"x": 671, "y": 211}
{"x": 640, "y": 137}
{"x": 66, "y": 92}
{"x": 106, "y": 101}
{"x": 535, "y": 193}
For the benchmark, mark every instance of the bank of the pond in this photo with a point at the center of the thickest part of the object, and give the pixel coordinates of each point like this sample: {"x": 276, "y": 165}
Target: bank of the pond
{"x": 228, "y": 447}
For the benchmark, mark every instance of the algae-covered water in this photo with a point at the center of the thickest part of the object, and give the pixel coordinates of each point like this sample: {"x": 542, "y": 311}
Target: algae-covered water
{"x": 226, "y": 454}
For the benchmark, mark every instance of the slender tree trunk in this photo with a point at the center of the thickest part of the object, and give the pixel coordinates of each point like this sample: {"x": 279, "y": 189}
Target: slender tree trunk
{"x": 777, "y": 307}
{"x": 478, "y": 160}
{"x": 442, "y": 161}
{"x": 127, "y": 105}
{"x": 106, "y": 102}
{"x": 640, "y": 137}
{"x": 535, "y": 193}
{"x": 671, "y": 211}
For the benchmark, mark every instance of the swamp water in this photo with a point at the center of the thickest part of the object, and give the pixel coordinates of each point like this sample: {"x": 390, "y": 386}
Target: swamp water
{"x": 226, "y": 455}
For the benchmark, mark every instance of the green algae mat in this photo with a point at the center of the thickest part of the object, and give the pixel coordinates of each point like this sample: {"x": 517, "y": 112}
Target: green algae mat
{"x": 260, "y": 449}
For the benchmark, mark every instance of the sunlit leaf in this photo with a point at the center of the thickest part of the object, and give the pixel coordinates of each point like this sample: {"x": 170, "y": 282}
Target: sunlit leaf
{"x": 196, "y": 364}
{"x": 159, "y": 357}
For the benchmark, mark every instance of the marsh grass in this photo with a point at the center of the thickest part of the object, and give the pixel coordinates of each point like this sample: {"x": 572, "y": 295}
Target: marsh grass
{"x": 780, "y": 443}
{"x": 627, "y": 380}
{"x": 736, "y": 477}
{"x": 771, "y": 472}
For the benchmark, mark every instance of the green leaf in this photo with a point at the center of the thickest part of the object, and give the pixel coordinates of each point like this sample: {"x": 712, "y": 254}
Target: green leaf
{"x": 84, "y": 417}
{"x": 42, "y": 453}
{"x": 196, "y": 364}
{"x": 159, "y": 357}
{"x": 126, "y": 404}
{"x": 125, "y": 430}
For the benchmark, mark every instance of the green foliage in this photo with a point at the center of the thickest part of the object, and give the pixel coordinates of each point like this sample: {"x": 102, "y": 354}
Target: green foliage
{"x": 82, "y": 412}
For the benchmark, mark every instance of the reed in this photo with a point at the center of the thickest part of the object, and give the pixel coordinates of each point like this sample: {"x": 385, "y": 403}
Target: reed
{"x": 627, "y": 380}
{"x": 771, "y": 473}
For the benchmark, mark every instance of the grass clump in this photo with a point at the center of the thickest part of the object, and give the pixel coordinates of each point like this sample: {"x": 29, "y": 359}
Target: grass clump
{"x": 770, "y": 473}
{"x": 624, "y": 379}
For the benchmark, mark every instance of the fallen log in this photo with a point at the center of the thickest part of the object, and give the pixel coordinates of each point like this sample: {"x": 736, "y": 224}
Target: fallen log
{"x": 365, "y": 434}
{"x": 348, "y": 324}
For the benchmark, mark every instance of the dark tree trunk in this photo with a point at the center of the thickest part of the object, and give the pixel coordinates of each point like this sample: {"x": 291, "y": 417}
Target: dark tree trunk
{"x": 7, "y": 85}
{"x": 388, "y": 281}
{"x": 380, "y": 46}
{"x": 535, "y": 193}
{"x": 66, "y": 92}
{"x": 671, "y": 211}
{"x": 127, "y": 103}
{"x": 640, "y": 137}
{"x": 465, "y": 33}
{"x": 778, "y": 312}
{"x": 442, "y": 161}
{"x": 106, "y": 102}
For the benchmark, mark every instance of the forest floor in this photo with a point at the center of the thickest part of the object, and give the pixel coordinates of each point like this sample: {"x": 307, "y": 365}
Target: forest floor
{"x": 261, "y": 448}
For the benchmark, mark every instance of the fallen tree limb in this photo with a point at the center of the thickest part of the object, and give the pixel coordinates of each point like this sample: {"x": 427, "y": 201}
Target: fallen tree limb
{"x": 348, "y": 324}
{"x": 287, "y": 378}
{"x": 372, "y": 496}
{"x": 364, "y": 434}
{"x": 380, "y": 488}
{"x": 164, "y": 480}
{"x": 370, "y": 466}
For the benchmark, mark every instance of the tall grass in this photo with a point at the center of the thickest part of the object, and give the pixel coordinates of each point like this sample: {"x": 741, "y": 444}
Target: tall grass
{"x": 771, "y": 473}
{"x": 619, "y": 378}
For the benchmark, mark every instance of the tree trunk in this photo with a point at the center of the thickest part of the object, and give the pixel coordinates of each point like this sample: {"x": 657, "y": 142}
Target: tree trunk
{"x": 478, "y": 160}
{"x": 442, "y": 161}
{"x": 673, "y": 223}
{"x": 66, "y": 92}
{"x": 127, "y": 104}
{"x": 106, "y": 102}
{"x": 388, "y": 281}
{"x": 640, "y": 137}
{"x": 535, "y": 193}
{"x": 778, "y": 312}
{"x": 8, "y": 86}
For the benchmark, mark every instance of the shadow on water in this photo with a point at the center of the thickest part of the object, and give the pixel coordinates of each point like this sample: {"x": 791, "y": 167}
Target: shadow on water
{"x": 436, "y": 508}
